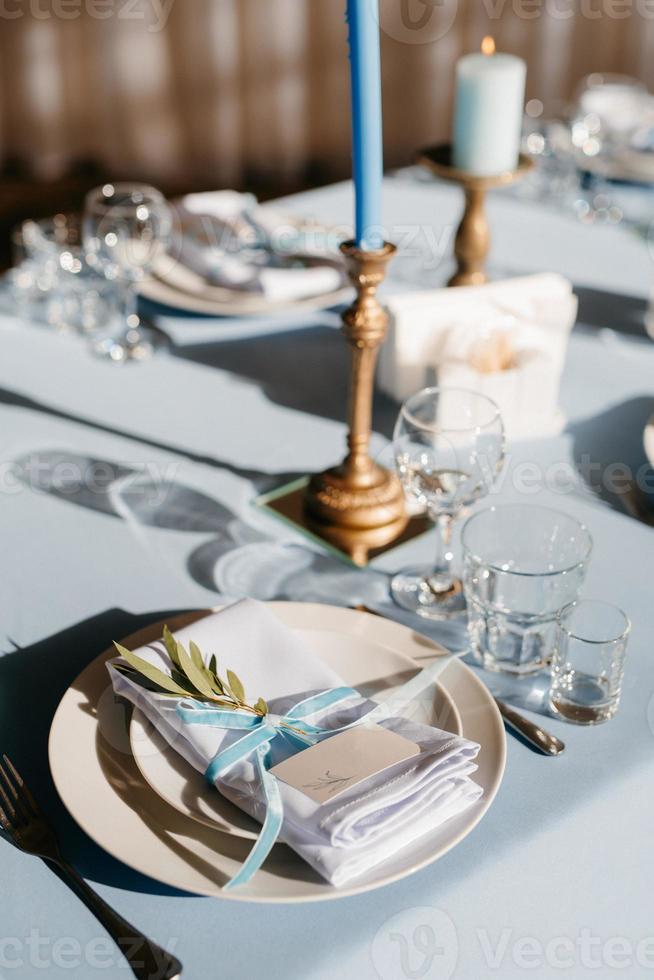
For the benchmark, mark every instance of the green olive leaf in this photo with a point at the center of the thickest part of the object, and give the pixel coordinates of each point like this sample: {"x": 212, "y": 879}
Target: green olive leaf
{"x": 217, "y": 685}
{"x": 198, "y": 660}
{"x": 182, "y": 680}
{"x": 216, "y": 682}
{"x": 150, "y": 671}
{"x": 196, "y": 656}
{"x": 171, "y": 647}
{"x": 236, "y": 686}
{"x": 196, "y": 676}
{"x": 142, "y": 681}
{"x": 190, "y": 677}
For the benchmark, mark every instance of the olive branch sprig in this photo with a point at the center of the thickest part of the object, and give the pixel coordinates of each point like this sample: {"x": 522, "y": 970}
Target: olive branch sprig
{"x": 190, "y": 677}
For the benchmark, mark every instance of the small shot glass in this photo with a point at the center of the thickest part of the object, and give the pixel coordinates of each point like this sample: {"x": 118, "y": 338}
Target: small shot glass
{"x": 588, "y": 661}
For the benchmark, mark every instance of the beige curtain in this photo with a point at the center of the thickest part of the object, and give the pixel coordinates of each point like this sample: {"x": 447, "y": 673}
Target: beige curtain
{"x": 215, "y": 92}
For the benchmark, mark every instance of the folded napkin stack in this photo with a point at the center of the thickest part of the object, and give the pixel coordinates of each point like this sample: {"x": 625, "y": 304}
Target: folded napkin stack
{"x": 232, "y": 242}
{"x": 362, "y": 827}
{"x": 507, "y": 340}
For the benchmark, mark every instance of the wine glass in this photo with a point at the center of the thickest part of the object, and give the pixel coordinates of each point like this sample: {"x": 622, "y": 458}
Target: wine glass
{"x": 126, "y": 228}
{"x": 449, "y": 448}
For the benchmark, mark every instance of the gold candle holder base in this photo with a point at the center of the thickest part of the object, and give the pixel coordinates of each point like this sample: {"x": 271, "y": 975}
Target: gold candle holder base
{"x": 356, "y": 545}
{"x": 472, "y": 242}
{"x": 359, "y": 498}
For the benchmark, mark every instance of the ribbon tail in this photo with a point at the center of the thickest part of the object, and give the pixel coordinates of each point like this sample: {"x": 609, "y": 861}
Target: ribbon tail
{"x": 404, "y": 695}
{"x": 272, "y": 824}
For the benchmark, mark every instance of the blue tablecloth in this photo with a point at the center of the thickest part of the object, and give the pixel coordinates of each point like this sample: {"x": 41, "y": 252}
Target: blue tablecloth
{"x": 557, "y": 879}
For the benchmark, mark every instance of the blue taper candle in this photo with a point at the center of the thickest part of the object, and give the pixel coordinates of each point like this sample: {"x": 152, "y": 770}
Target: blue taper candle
{"x": 367, "y": 152}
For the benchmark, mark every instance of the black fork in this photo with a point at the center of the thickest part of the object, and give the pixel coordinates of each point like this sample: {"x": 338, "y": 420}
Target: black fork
{"x": 24, "y": 823}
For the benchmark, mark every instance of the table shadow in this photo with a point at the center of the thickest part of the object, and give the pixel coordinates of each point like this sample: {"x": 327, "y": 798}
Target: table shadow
{"x": 305, "y": 370}
{"x": 609, "y": 455}
{"x": 267, "y": 569}
{"x": 601, "y": 309}
{"x": 120, "y": 491}
{"x": 237, "y": 560}
{"x": 262, "y": 481}
{"x": 33, "y": 679}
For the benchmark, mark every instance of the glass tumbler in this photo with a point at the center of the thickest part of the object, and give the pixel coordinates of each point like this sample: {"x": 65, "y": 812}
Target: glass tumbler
{"x": 588, "y": 661}
{"x": 76, "y": 298}
{"x": 522, "y": 563}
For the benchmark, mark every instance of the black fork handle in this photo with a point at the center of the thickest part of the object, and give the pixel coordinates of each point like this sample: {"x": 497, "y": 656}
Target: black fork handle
{"x": 147, "y": 960}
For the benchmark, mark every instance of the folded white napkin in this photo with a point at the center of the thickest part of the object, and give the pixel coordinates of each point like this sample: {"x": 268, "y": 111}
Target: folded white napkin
{"x": 435, "y": 337}
{"x": 364, "y": 826}
{"x": 225, "y": 205}
{"x": 213, "y": 221}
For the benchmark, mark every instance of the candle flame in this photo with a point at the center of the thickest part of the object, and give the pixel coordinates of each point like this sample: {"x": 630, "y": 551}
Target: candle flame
{"x": 488, "y": 46}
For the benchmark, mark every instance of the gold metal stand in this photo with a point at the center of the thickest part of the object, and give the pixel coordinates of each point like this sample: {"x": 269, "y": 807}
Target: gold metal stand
{"x": 472, "y": 242}
{"x": 359, "y": 501}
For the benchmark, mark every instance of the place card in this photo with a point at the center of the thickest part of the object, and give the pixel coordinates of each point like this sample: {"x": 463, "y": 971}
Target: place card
{"x": 329, "y": 768}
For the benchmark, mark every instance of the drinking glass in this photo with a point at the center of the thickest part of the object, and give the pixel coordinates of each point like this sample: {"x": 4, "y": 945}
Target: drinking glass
{"x": 126, "y": 228}
{"x": 547, "y": 139}
{"x": 449, "y": 448}
{"x": 522, "y": 563}
{"x": 76, "y": 297}
{"x": 588, "y": 661}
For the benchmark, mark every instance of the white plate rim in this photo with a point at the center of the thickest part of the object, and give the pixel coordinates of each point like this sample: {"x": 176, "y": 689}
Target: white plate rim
{"x": 331, "y": 893}
{"x": 159, "y": 290}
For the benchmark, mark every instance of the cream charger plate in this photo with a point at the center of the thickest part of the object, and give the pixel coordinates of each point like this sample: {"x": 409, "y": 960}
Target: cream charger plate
{"x": 180, "y": 288}
{"x": 185, "y": 788}
{"x": 99, "y": 782}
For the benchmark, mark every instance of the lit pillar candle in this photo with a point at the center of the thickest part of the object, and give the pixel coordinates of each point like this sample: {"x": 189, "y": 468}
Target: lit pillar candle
{"x": 489, "y": 101}
{"x": 367, "y": 154}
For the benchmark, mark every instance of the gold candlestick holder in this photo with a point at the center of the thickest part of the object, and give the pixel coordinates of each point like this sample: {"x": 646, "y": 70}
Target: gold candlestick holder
{"x": 472, "y": 242}
{"x": 360, "y": 501}
{"x": 356, "y": 508}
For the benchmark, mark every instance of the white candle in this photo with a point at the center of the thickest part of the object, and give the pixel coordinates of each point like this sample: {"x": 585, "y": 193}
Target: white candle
{"x": 490, "y": 95}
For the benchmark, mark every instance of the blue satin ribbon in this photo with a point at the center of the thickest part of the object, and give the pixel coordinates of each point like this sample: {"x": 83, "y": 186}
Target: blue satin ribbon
{"x": 294, "y": 727}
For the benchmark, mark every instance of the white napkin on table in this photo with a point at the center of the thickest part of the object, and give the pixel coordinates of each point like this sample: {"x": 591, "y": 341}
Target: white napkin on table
{"x": 363, "y": 827}
{"x": 215, "y": 220}
{"x": 431, "y": 340}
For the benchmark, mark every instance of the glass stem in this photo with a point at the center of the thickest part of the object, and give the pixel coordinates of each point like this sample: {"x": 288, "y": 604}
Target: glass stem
{"x": 442, "y": 578}
{"x": 130, "y": 306}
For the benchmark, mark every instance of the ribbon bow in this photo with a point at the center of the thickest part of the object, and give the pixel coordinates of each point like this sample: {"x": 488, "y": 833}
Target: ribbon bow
{"x": 262, "y": 729}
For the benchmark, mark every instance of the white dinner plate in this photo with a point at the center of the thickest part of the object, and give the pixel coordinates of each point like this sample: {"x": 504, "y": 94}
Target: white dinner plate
{"x": 187, "y": 790}
{"x": 183, "y": 289}
{"x": 99, "y": 782}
